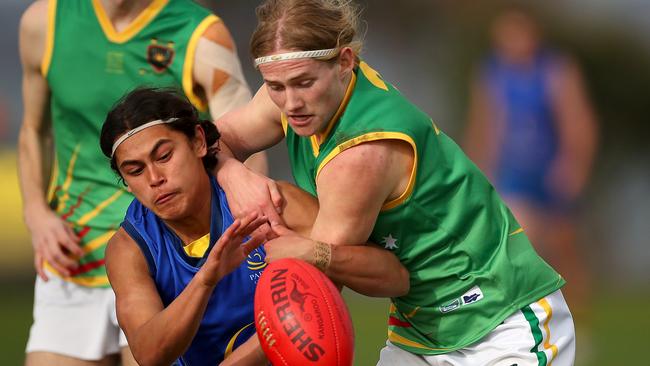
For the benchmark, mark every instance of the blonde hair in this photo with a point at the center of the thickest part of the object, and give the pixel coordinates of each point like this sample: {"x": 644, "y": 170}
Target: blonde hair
{"x": 305, "y": 25}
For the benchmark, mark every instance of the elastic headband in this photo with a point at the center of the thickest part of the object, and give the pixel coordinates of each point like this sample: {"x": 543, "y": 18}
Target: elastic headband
{"x": 296, "y": 55}
{"x": 138, "y": 129}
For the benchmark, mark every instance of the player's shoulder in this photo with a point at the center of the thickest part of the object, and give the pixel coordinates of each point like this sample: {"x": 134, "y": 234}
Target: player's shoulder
{"x": 218, "y": 33}
{"x": 34, "y": 20}
{"x": 118, "y": 245}
{"x": 33, "y": 33}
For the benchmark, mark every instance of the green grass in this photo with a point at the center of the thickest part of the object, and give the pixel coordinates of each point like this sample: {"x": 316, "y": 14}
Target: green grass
{"x": 619, "y": 330}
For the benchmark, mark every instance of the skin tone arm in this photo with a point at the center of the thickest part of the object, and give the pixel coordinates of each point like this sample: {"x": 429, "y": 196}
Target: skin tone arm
{"x": 479, "y": 141}
{"x": 254, "y": 127}
{"x": 578, "y": 130}
{"x": 342, "y": 222}
{"x": 222, "y": 90}
{"x": 299, "y": 213}
{"x": 53, "y": 240}
{"x": 159, "y": 335}
{"x": 350, "y": 265}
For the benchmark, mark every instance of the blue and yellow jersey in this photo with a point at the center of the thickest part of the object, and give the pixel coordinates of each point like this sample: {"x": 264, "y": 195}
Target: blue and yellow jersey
{"x": 228, "y": 319}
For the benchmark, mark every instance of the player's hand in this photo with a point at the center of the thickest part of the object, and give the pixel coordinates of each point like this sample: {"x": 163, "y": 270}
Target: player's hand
{"x": 230, "y": 250}
{"x": 53, "y": 241}
{"x": 289, "y": 244}
{"x": 248, "y": 191}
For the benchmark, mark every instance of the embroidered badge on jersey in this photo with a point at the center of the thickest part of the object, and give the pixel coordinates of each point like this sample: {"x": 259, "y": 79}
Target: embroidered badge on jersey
{"x": 160, "y": 56}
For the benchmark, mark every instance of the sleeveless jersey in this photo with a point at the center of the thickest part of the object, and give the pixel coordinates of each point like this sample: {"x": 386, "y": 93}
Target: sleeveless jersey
{"x": 470, "y": 263}
{"x": 228, "y": 318}
{"x": 89, "y": 66}
{"x": 530, "y": 140}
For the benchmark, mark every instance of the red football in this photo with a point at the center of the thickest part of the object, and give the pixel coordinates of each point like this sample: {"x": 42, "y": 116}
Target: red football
{"x": 301, "y": 318}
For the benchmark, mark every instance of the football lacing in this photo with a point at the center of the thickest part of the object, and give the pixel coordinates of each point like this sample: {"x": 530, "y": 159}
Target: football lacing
{"x": 266, "y": 331}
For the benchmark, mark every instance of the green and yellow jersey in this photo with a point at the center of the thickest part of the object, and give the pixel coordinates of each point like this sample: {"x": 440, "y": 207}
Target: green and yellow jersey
{"x": 470, "y": 263}
{"x": 89, "y": 66}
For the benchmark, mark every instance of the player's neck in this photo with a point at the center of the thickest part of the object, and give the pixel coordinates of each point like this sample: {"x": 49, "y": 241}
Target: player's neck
{"x": 123, "y": 12}
{"x": 197, "y": 223}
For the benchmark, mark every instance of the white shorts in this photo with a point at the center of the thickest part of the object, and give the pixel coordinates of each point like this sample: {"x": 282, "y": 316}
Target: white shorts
{"x": 74, "y": 320}
{"x": 536, "y": 335}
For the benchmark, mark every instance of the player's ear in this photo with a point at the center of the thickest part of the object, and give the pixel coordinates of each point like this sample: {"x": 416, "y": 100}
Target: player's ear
{"x": 346, "y": 61}
{"x": 198, "y": 142}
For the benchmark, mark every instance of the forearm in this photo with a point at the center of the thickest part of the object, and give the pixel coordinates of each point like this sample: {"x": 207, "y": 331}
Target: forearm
{"x": 368, "y": 270}
{"x": 248, "y": 354}
{"x": 32, "y": 169}
{"x": 166, "y": 336}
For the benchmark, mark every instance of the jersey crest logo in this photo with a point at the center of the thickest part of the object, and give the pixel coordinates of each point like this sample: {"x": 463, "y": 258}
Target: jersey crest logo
{"x": 160, "y": 56}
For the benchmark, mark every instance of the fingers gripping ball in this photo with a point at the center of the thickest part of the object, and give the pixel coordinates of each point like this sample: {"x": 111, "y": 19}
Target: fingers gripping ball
{"x": 301, "y": 318}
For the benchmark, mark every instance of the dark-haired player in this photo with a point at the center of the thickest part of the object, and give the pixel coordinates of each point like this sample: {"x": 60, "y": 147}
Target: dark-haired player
{"x": 175, "y": 298}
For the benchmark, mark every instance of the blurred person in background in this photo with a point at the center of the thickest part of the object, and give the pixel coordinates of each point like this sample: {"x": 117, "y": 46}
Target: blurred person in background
{"x": 532, "y": 130}
{"x": 78, "y": 58}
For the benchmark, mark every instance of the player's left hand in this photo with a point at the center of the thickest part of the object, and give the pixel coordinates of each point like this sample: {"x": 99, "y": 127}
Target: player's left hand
{"x": 231, "y": 249}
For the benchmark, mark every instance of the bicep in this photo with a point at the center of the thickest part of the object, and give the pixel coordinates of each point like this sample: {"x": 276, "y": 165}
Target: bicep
{"x": 353, "y": 187}
{"x": 218, "y": 72}
{"x": 32, "y": 39}
{"x": 300, "y": 208}
{"x": 136, "y": 297}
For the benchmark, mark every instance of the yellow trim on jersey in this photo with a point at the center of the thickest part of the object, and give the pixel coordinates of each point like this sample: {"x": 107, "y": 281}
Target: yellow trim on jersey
{"x": 98, "y": 241}
{"x": 198, "y": 247}
{"x": 320, "y": 137}
{"x": 547, "y": 344}
{"x": 55, "y": 175}
{"x": 231, "y": 343}
{"x": 68, "y": 179}
{"x": 188, "y": 66}
{"x": 49, "y": 38}
{"x": 520, "y": 230}
{"x": 141, "y": 21}
{"x": 285, "y": 123}
{"x": 90, "y": 281}
{"x": 100, "y": 207}
{"x": 372, "y": 76}
{"x": 396, "y": 338}
{"x": 374, "y": 136}
{"x": 435, "y": 128}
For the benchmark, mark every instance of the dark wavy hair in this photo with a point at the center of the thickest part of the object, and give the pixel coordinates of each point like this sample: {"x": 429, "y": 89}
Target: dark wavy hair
{"x": 144, "y": 105}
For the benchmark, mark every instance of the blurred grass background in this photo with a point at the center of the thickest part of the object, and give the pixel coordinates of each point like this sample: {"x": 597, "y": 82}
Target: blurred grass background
{"x": 619, "y": 335}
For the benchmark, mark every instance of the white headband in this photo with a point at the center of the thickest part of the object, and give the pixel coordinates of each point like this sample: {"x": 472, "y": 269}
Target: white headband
{"x": 295, "y": 55}
{"x": 138, "y": 129}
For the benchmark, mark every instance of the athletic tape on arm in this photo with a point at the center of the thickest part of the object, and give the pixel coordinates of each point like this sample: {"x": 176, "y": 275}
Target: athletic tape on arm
{"x": 234, "y": 92}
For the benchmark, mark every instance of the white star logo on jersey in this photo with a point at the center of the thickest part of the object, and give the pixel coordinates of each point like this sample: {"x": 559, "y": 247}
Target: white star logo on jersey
{"x": 389, "y": 242}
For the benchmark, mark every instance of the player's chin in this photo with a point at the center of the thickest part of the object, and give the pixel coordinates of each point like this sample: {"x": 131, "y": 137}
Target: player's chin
{"x": 174, "y": 212}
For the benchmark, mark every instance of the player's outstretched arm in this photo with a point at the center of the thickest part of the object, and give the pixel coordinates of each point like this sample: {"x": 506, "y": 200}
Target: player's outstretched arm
{"x": 159, "y": 335}
{"x": 52, "y": 238}
{"x": 349, "y": 205}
